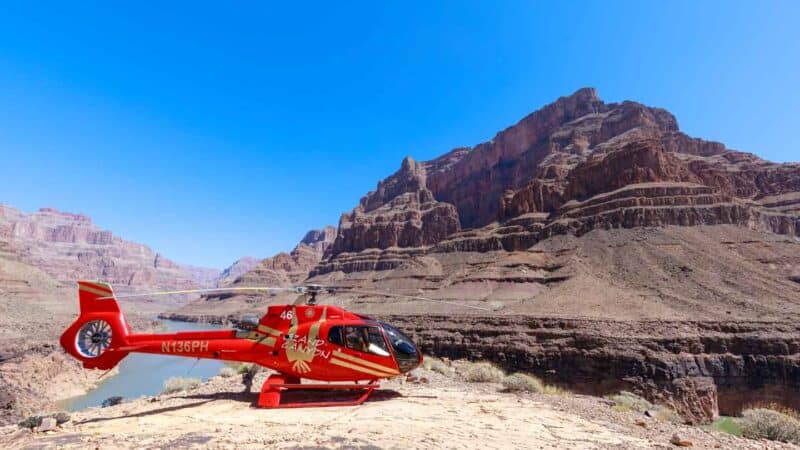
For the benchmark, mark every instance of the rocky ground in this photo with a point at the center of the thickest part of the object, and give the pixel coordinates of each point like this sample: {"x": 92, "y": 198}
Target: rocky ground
{"x": 441, "y": 413}
{"x": 34, "y": 370}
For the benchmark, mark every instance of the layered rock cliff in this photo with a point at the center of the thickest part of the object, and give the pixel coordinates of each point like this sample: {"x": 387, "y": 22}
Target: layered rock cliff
{"x": 595, "y": 236}
{"x": 575, "y": 165}
{"x": 240, "y": 267}
{"x": 69, "y": 247}
{"x": 701, "y": 369}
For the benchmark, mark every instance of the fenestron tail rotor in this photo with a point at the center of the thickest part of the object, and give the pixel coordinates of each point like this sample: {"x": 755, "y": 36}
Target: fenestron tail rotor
{"x": 93, "y": 338}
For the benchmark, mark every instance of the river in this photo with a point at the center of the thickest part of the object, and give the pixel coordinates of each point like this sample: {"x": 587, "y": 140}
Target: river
{"x": 143, "y": 374}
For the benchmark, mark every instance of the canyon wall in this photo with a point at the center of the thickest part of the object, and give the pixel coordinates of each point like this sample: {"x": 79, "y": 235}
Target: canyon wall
{"x": 69, "y": 247}
{"x": 575, "y": 165}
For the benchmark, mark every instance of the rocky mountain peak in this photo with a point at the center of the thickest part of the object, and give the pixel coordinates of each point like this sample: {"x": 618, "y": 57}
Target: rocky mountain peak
{"x": 411, "y": 178}
{"x": 571, "y": 150}
{"x": 324, "y": 235}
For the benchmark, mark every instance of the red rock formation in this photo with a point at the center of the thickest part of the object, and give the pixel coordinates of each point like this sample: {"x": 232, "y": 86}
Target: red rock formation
{"x": 572, "y": 150}
{"x": 400, "y": 213}
{"x": 698, "y": 368}
{"x": 593, "y": 210}
{"x": 286, "y": 269}
{"x": 237, "y": 269}
{"x": 70, "y": 247}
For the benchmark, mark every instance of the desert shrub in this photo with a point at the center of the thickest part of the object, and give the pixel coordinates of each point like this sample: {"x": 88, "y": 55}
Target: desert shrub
{"x": 520, "y": 382}
{"x": 628, "y": 401}
{"x": 665, "y": 414}
{"x": 61, "y": 417}
{"x": 482, "y": 372}
{"x": 764, "y": 423}
{"x": 243, "y": 368}
{"x": 178, "y": 384}
{"x": 111, "y": 401}
{"x": 555, "y": 390}
{"x": 496, "y": 306}
{"x": 227, "y": 372}
{"x": 437, "y": 365}
{"x": 31, "y": 422}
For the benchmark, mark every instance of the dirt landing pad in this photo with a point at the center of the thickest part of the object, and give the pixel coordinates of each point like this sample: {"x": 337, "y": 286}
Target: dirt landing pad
{"x": 441, "y": 414}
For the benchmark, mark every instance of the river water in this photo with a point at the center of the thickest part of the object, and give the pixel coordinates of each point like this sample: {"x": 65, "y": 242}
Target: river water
{"x": 143, "y": 374}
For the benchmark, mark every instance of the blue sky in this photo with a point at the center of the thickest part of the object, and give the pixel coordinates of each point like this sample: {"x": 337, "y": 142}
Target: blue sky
{"x": 215, "y": 130}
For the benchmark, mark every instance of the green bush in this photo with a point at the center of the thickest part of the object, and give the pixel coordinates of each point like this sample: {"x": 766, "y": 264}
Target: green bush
{"x": 112, "y": 401}
{"x": 765, "y": 423}
{"x": 520, "y": 382}
{"x": 61, "y": 417}
{"x": 31, "y": 422}
{"x": 243, "y": 368}
{"x": 727, "y": 425}
{"x": 481, "y": 372}
{"x": 178, "y": 384}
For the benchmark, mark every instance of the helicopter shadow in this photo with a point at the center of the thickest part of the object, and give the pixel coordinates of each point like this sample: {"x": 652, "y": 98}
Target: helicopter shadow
{"x": 294, "y": 396}
{"x": 144, "y": 413}
{"x": 302, "y": 396}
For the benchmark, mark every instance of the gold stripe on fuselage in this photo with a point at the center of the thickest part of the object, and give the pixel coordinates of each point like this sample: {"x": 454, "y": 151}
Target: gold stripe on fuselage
{"x": 260, "y": 338}
{"x": 269, "y": 342}
{"x": 364, "y": 362}
{"x": 268, "y": 330}
{"x": 339, "y": 362}
{"x": 95, "y": 291}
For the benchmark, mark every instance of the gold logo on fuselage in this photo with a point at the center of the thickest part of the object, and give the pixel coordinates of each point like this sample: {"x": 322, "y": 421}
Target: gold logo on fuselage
{"x": 300, "y": 351}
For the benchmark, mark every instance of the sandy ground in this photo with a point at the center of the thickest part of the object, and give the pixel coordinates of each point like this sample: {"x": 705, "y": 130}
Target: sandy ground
{"x": 442, "y": 413}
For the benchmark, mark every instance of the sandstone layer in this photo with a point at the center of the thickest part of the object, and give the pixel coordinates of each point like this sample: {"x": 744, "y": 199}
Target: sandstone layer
{"x": 700, "y": 369}
{"x": 69, "y": 247}
{"x": 603, "y": 212}
{"x": 575, "y": 165}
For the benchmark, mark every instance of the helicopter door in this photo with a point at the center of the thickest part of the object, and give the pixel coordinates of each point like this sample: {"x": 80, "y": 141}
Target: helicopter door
{"x": 362, "y": 338}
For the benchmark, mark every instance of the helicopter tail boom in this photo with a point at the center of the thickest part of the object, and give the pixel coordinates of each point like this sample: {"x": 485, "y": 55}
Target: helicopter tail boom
{"x": 99, "y": 333}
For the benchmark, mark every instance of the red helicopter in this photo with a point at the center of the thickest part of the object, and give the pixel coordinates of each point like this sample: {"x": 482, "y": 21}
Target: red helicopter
{"x": 303, "y": 340}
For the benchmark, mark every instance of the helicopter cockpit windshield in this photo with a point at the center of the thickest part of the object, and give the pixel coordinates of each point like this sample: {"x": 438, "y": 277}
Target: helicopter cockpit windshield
{"x": 370, "y": 339}
{"x": 404, "y": 350}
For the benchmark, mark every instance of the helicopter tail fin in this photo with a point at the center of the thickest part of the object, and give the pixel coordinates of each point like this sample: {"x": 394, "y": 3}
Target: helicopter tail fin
{"x": 99, "y": 333}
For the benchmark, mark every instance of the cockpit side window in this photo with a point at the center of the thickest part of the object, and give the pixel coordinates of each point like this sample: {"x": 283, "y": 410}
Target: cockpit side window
{"x": 335, "y": 336}
{"x": 366, "y": 339}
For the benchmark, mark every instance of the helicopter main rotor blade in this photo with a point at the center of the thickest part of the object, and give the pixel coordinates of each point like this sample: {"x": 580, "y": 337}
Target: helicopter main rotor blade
{"x": 298, "y": 290}
{"x": 410, "y": 297}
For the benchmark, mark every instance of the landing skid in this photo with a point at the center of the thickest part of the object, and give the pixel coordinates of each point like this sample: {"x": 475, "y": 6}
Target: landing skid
{"x": 270, "y": 396}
